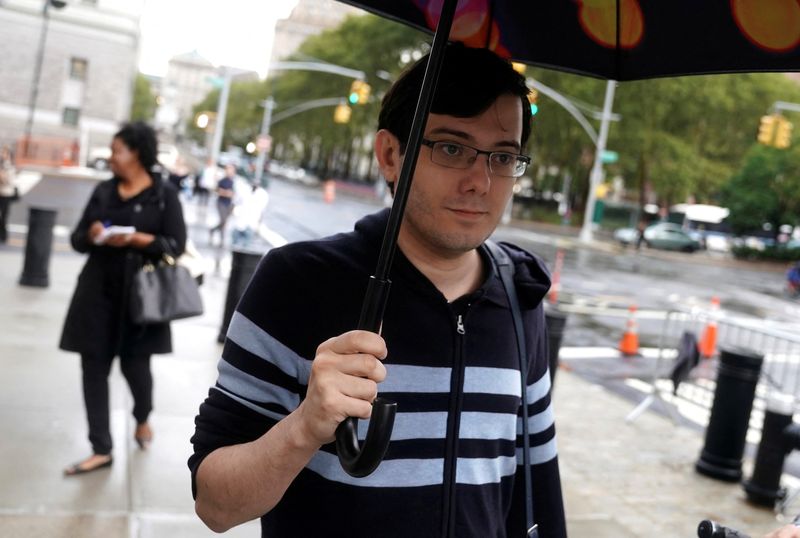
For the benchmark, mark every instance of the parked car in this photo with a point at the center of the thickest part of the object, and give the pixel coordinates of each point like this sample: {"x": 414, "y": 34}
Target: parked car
{"x": 664, "y": 235}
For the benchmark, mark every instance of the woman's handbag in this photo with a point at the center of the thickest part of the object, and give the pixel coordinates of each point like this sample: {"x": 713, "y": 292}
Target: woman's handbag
{"x": 164, "y": 292}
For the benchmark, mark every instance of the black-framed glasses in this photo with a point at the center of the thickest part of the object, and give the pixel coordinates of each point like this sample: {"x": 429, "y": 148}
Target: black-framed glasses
{"x": 461, "y": 156}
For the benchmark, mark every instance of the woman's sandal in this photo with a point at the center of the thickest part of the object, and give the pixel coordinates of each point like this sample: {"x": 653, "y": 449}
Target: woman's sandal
{"x": 80, "y": 468}
{"x": 143, "y": 435}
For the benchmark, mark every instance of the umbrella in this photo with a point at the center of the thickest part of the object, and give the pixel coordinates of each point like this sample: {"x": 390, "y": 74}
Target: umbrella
{"x": 612, "y": 39}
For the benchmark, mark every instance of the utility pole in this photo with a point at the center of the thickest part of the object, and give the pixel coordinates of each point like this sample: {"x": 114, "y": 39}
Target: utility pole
{"x": 37, "y": 68}
{"x": 269, "y": 105}
{"x": 597, "y": 169}
{"x": 222, "y": 108}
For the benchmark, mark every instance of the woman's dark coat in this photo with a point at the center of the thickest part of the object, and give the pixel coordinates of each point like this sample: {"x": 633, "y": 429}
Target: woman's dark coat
{"x": 98, "y": 321}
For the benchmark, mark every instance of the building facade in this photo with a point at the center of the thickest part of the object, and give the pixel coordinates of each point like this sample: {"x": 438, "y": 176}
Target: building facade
{"x": 88, "y": 68}
{"x": 308, "y": 18}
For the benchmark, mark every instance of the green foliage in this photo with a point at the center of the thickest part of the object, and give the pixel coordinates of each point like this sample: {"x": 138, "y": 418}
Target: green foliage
{"x": 769, "y": 253}
{"x": 765, "y": 190}
{"x": 677, "y": 136}
{"x": 143, "y": 105}
{"x": 243, "y": 117}
{"x": 366, "y": 43}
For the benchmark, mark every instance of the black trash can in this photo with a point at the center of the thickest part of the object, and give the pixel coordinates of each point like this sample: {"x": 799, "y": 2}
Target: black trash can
{"x": 243, "y": 265}
{"x": 737, "y": 377}
{"x": 556, "y": 321}
{"x": 38, "y": 245}
{"x": 764, "y": 487}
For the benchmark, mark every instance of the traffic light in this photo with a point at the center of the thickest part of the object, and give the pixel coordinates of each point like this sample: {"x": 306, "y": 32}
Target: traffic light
{"x": 533, "y": 96}
{"x": 341, "y": 114}
{"x": 783, "y": 133}
{"x": 359, "y": 92}
{"x": 766, "y": 130}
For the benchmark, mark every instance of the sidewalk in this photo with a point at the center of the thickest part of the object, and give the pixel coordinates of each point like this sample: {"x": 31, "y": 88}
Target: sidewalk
{"x": 620, "y": 480}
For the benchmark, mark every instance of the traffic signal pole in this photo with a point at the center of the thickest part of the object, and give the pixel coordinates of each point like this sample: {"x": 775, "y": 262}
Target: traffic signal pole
{"x": 597, "y": 169}
{"x": 266, "y": 121}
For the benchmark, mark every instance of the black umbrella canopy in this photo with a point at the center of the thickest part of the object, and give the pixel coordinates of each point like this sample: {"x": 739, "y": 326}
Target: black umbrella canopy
{"x": 621, "y": 39}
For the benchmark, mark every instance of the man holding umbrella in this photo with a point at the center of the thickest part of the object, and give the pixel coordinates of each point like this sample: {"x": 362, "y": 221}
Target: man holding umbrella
{"x": 292, "y": 369}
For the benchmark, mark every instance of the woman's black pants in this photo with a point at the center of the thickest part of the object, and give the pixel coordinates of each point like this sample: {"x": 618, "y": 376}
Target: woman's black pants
{"x": 96, "y": 368}
{"x": 5, "y": 206}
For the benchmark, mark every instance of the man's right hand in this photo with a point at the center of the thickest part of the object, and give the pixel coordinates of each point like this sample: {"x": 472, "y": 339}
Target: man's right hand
{"x": 343, "y": 383}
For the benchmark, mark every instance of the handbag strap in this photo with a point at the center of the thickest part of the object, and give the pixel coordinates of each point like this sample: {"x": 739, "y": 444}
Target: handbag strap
{"x": 505, "y": 269}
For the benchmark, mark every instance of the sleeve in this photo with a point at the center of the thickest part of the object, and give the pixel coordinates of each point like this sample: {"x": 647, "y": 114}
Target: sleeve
{"x": 260, "y": 380}
{"x": 80, "y": 235}
{"x": 548, "y": 504}
{"x": 171, "y": 239}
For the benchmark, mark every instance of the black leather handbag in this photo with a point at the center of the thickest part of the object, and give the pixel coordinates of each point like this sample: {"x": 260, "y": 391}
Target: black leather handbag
{"x": 163, "y": 292}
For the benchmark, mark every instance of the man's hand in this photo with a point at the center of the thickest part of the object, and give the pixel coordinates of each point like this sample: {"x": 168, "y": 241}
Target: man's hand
{"x": 343, "y": 383}
{"x": 789, "y": 531}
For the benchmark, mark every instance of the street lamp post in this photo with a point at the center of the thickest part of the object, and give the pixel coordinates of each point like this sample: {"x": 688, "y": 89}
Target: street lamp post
{"x": 597, "y": 168}
{"x": 269, "y": 104}
{"x": 222, "y": 109}
{"x": 37, "y": 69}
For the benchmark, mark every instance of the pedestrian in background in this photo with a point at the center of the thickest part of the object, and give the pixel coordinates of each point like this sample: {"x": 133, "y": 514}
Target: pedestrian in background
{"x": 8, "y": 190}
{"x": 98, "y": 324}
{"x": 225, "y": 194}
{"x": 248, "y": 212}
{"x": 206, "y": 181}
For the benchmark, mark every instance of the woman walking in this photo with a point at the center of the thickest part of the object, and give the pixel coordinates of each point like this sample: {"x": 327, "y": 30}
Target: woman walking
{"x": 98, "y": 325}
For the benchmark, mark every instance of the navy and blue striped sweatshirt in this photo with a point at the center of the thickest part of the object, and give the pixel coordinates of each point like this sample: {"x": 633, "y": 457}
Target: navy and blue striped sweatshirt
{"x": 454, "y": 463}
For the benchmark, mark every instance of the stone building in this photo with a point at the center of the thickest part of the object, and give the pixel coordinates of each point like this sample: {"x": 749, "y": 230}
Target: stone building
{"x": 308, "y": 18}
{"x": 88, "y": 68}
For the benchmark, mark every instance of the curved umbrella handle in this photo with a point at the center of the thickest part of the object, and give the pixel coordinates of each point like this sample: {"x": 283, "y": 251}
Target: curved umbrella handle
{"x": 360, "y": 461}
{"x": 357, "y": 460}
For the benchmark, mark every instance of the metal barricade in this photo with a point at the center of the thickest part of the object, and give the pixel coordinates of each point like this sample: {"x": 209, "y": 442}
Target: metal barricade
{"x": 695, "y": 394}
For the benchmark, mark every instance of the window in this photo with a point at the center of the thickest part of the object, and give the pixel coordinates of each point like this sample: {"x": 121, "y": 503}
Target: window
{"x": 78, "y": 68}
{"x": 71, "y": 116}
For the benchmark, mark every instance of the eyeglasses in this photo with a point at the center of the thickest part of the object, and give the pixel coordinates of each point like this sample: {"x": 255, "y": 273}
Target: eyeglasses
{"x": 461, "y": 156}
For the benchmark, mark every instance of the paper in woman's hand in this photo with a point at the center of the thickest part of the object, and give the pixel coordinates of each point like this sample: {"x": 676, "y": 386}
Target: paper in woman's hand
{"x": 107, "y": 232}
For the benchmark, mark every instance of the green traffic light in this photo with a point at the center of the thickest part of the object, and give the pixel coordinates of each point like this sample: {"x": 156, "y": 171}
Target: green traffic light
{"x": 353, "y": 98}
{"x": 534, "y": 109}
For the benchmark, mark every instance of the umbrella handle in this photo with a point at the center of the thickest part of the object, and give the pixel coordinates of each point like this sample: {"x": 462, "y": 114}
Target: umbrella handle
{"x": 356, "y": 460}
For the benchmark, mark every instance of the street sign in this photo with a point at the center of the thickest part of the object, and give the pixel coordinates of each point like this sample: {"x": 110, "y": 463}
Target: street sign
{"x": 609, "y": 156}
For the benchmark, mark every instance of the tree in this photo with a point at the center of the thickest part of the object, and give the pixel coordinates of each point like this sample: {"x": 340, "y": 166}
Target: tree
{"x": 143, "y": 106}
{"x": 380, "y": 49}
{"x": 765, "y": 190}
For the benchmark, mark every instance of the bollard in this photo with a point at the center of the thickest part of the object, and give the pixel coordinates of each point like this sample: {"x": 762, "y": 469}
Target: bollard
{"x": 38, "y": 245}
{"x": 243, "y": 265}
{"x": 555, "y": 320}
{"x": 737, "y": 377}
{"x": 779, "y": 437}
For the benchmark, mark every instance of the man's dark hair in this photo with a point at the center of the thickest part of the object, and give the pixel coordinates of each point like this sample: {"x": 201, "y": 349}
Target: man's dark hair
{"x": 140, "y": 137}
{"x": 471, "y": 80}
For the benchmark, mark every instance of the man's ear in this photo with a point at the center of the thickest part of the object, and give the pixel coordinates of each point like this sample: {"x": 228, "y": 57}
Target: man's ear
{"x": 387, "y": 152}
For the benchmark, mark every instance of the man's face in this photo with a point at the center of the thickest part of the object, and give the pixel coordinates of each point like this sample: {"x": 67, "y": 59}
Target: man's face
{"x": 451, "y": 211}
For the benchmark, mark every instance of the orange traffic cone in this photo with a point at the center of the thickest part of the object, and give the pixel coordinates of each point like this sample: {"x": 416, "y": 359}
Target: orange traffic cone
{"x": 629, "y": 345}
{"x": 329, "y": 191}
{"x": 555, "y": 287}
{"x": 708, "y": 343}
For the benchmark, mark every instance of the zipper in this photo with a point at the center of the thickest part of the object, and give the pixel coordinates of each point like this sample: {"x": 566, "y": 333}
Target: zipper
{"x": 454, "y": 423}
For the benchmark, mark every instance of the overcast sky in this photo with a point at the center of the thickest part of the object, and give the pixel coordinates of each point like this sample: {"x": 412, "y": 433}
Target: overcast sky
{"x": 227, "y": 32}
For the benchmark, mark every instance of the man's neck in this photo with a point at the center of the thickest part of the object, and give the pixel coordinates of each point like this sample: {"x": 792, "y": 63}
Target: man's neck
{"x": 454, "y": 276}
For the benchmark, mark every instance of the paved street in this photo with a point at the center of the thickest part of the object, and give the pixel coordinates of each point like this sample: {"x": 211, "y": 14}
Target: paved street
{"x": 621, "y": 480}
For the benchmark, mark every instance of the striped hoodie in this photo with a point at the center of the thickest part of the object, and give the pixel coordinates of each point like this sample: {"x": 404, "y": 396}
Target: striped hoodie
{"x": 453, "y": 466}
